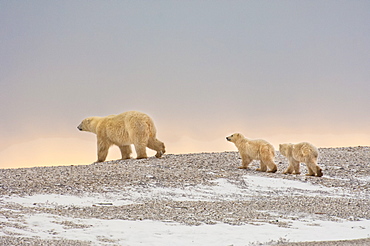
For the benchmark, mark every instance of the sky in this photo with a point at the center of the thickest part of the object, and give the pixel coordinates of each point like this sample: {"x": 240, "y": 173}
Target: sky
{"x": 284, "y": 71}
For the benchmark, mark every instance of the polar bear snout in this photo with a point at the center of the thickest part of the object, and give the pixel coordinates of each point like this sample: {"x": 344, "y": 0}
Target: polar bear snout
{"x": 229, "y": 138}
{"x": 79, "y": 127}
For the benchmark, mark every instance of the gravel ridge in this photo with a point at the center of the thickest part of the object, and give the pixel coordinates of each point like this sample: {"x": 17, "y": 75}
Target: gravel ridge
{"x": 346, "y": 168}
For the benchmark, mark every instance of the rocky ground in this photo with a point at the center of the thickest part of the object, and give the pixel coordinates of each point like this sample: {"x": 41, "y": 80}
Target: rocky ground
{"x": 346, "y": 169}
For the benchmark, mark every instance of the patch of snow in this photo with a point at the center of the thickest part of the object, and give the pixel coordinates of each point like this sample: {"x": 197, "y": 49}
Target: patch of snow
{"x": 263, "y": 184}
{"x": 364, "y": 178}
{"x": 163, "y": 233}
{"x": 223, "y": 191}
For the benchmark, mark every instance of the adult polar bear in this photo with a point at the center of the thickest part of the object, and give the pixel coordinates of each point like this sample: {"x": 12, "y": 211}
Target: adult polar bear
{"x": 128, "y": 128}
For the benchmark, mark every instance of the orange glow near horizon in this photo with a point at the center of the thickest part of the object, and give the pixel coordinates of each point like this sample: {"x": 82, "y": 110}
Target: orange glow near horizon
{"x": 74, "y": 151}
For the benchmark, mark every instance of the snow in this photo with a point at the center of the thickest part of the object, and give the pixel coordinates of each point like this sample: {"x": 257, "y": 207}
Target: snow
{"x": 223, "y": 191}
{"x": 122, "y": 232}
{"x": 165, "y": 233}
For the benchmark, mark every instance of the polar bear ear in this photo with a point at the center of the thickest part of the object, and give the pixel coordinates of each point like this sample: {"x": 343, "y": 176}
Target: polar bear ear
{"x": 88, "y": 120}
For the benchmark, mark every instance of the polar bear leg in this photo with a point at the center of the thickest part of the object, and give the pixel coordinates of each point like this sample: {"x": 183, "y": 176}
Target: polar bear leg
{"x": 267, "y": 154}
{"x": 268, "y": 162}
{"x": 156, "y": 145}
{"x": 290, "y": 168}
{"x": 103, "y": 148}
{"x": 272, "y": 166}
{"x": 245, "y": 162}
{"x": 140, "y": 151}
{"x": 318, "y": 171}
{"x": 296, "y": 165}
{"x": 125, "y": 151}
{"x": 313, "y": 169}
{"x": 263, "y": 167}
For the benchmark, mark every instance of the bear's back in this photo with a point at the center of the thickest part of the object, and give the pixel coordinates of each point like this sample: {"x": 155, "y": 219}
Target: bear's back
{"x": 135, "y": 122}
{"x": 130, "y": 116}
{"x": 304, "y": 150}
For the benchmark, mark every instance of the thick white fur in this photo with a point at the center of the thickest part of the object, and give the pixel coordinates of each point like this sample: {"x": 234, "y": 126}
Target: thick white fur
{"x": 128, "y": 128}
{"x": 257, "y": 149}
{"x": 301, "y": 152}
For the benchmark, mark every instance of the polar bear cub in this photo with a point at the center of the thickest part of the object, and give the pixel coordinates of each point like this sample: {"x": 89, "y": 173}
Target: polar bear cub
{"x": 301, "y": 152}
{"x": 257, "y": 149}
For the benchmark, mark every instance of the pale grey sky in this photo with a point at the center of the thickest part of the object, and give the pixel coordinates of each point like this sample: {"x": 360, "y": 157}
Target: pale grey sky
{"x": 279, "y": 70}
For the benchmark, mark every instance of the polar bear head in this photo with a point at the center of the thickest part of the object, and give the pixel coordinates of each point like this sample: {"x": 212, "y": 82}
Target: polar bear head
{"x": 285, "y": 148}
{"x": 88, "y": 124}
{"x": 235, "y": 137}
